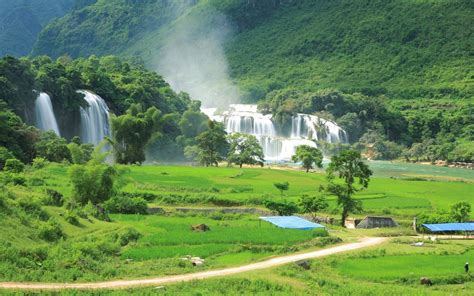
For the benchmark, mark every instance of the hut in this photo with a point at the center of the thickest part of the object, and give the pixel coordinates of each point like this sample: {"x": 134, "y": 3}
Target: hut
{"x": 376, "y": 222}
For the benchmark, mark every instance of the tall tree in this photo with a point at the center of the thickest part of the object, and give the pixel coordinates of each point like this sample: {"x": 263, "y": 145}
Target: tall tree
{"x": 132, "y": 132}
{"x": 308, "y": 156}
{"x": 244, "y": 149}
{"x": 211, "y": 145}
{"x": 349, "y": 168}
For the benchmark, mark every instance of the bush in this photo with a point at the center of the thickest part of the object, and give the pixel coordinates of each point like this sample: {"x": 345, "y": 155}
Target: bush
{"x": 129, "y": 235}
{"x": 283, "y": 208}
{"x": 32, "y": 209}
{"x": 35, "y": 181}
{"x": 39, "y": 163}
{"x": 5, "y": 154}
{"x": 15, "y": 179}
{"x": 126, "y": 205}
{"x": 94, "y": 183}
{"x": 72, "y": 219}
{"x": 53, "y": 198}
{"x": 50, "y": 231}
{"x": 14, "y": 165}
{"x": 145, "y": 195}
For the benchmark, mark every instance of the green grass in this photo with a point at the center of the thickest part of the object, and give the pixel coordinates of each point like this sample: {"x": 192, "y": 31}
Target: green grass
{"x": 170, "y": 237}
{"x": 91, "y": 251}
{"x": 398, "y": 267}
{"x": 181, "y": 185}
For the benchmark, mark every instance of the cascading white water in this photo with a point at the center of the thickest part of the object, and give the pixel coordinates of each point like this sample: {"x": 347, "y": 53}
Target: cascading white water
{"x": 305, "y": 129}
{"x": 44, "y": 114}
{"x": 94, "y": 119}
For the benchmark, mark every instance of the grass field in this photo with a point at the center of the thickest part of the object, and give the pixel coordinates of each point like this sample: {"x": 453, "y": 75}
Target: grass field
{"x": 179, "y": 185}
{"x": 93, "y": 249}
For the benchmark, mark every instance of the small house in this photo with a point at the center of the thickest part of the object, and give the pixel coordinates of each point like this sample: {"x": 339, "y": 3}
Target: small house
{"x": 376, "y": 222}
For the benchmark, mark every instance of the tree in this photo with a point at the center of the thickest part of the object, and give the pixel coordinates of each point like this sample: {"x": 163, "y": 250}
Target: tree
{"x": 461, "y": 211}
{"x": 93, "y": 182}
{"x": 313, "y": 204}
{"x": 80, "y": 153}
{"x": 52, "y": 147}
{"x": 244, "y": 149}
{"x": 132, "y": 132}
{"x": 308, "y": 156}
{"x": 211, "y": 145}
{"x": 282, "y": 186}
{"x": 5, "y": 154}
{"x": 349, "y": 168}
{"x": 283, "y": 208}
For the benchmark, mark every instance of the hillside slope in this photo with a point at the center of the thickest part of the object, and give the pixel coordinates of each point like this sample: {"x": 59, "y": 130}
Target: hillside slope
{"x": 21, "y": 21}
{"x": 399, "y": 48}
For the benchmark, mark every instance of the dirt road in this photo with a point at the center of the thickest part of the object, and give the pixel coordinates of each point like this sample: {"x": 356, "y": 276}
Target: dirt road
{"x": 277, "y": 261}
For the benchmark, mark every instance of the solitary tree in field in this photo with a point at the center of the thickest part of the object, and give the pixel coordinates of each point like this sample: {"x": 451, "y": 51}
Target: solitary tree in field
{"x": 313, "y": 204}
{"x": 244, "y": 149}
{"x": 347, "y": 174}
{"x": 282, "y": 186}
{"x": 308, "y": 156}
{"x": 211, "y": 145}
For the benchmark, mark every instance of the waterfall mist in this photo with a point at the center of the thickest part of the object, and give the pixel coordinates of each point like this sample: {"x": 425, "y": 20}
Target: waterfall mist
{"x": 193, "y": 59}
{"x": 305, "y": 129}
{"x": 44, "y": 114}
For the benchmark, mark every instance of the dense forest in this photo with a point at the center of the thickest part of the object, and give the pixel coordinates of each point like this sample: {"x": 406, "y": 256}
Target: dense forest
{"x": 22, "y": 20}
{"x": 146, "y": 109}
{"x": 396, "y": 75}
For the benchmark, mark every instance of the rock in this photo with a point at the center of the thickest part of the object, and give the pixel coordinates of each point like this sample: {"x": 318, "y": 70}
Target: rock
{"x": 200, "y": 227}
{"x": 304, "y": 264}
{"x": 425, "y": 281}
{"x": 196, "y": 261}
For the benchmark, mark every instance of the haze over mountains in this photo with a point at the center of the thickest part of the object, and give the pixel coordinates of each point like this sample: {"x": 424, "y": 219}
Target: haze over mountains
{"x": 398, "y": 48}
{"x": 22, "y": 20}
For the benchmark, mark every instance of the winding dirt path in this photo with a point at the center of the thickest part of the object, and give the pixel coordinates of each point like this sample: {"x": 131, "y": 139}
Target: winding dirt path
{"x": 277, "y": 261}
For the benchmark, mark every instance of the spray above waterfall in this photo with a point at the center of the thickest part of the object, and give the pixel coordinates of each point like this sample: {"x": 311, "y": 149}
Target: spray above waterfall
{"x": 193, "y": 59}
{"x": 277, "y": 146}
{"x": 94, "y": 119}
{"x": 44, "y": 114}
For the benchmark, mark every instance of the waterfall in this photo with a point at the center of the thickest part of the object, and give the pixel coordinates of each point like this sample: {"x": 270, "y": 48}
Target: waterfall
{"x": 305, "y": 130}
{"x": 44, "y": 114}
{"x": 94, "y": 119}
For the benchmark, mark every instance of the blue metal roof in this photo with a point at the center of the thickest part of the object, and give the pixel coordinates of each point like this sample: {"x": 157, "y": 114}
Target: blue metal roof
{"x": 445, "y": 227}
{"x": 293, "y": 222}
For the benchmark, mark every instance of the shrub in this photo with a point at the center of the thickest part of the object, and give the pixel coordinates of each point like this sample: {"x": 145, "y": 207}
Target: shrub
{"x": 14, "y": 165}
{"x": 145, "y": 195}
{"x": 15, "y": 179}
{"x": 39, "y": 163}
{"x": 32, "y": 209}
{"x": 5, "y": 154}
{"x": 126, "y": 205}
{"x": 129, "y": 235}
{"x": 283, "y": 208}
{"x": 53, "y": 198}
{"x": 72, "y": 219}
{"x": 50, "y": 231}
{"x": 94, "y": 183}
{"x": 35, "y": 181}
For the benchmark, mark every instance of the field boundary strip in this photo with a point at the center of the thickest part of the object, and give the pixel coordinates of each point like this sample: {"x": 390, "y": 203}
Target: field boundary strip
{"x": 273, "y": 262}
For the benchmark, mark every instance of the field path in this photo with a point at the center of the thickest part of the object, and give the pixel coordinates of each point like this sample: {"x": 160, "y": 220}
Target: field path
{"x": 277, "y": 261}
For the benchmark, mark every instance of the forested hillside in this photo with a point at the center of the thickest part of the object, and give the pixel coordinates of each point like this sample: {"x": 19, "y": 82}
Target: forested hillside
{"x": 22, "y": 20}
{"x": 399, "y": 48}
